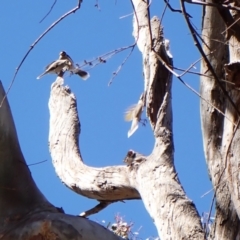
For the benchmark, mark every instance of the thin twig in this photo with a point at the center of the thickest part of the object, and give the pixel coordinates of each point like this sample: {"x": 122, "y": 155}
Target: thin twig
{"x": 149, "y": 27}
{"x": 228, "y": 27}
{"x": 198, "y": 45}
{"x": 104, "y": 57}
{"x": 164, "y": 11}
{"x": 31, "y": 164}
{"x": 120, "y": 67}
{"x": 49, "y": 11}
{"x": 225, "y": 165}
{"x": 96, "y": 209}
{"x": 215, "y": 40}
{"x": 127, "y": 15}
{"x": 36, "y": 41}
{"x": 132, "y": 47}
{"x": 219, "y": 184}
{"x": 199, "y": 36}
{"x": 172, "y": 9}
{"x": 211, "y": 207}
{"x": 188, "y": 86}
{"x": 205, "y": 75}
{"x": 190, "y": 67}
{"x": 192, "y": 72}
{"x": 211, "y": 4}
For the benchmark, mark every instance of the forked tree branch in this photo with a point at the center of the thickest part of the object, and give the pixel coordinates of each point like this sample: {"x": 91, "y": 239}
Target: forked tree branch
{"x": 96, "y": 183}
{"x": 155, "y": 178}
{"x": 160, "y": 164}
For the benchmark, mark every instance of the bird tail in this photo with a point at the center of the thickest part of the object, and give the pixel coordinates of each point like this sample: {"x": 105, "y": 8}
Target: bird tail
{"x": 83, "y": 74}
{"x": 129, "y": 114}
{"x": 133, "y": 128}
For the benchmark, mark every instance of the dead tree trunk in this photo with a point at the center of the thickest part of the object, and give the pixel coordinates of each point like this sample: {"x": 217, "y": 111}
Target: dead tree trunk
{"x": 152, "y": 178}
{"x": 24, "y": 212}
{"x": 221, "y": 133}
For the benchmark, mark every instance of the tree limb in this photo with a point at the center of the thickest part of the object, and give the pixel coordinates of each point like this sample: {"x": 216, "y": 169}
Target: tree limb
{"x": 24, "y": 212}
{"x": 166, "y": 199}
{"x": 21, "y": 195}
{"x": 155, "y": 178}
{"x": 96, "y": 183}
{"x": 226, "y": 222}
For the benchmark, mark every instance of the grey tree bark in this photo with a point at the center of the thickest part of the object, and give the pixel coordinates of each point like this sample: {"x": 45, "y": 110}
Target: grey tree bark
{"x": 152, "y": 178}
{"x": 221, "y": 133}
{"x": 24, "y": 212}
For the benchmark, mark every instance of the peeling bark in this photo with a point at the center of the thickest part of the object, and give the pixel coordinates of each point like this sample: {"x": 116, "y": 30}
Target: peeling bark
{"x": 231, "y": 137}
{"x": 216, "y": 137}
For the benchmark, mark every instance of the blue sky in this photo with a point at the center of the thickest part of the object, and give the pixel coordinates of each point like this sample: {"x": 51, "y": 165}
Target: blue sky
{"x": 86, "y": 35}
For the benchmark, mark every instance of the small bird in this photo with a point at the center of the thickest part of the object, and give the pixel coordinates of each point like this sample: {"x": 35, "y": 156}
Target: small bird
{"x": 56, "y": 67}
{"x": 134, "y": 114}
{"x": 64, "y": 56}
{"x": 76, "y": 70}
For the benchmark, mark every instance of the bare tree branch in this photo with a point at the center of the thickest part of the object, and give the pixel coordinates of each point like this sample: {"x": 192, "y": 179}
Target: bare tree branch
{"x": 120, "y": 67}
{"x": 48, "y": 11}
{"x": 36, "y": 41}
{"x": 96, "y": 183}
{"x": 31, "y": 164}
{"x": 212, "y": 4}
{"x": 157, "y": 85}
{"x": 96, "y": 209}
